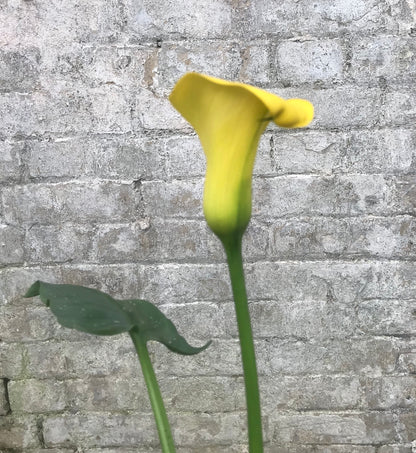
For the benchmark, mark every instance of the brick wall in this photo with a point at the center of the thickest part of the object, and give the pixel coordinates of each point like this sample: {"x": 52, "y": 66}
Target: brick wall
{"x": 101, "y": 185}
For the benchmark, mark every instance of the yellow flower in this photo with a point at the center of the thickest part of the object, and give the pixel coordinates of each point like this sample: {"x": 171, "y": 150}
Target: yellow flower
{"x": 229, "y": 118}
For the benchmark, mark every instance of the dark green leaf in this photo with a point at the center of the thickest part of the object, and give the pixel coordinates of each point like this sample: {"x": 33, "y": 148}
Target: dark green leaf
{"x": 84, "y": 309}
{"x": 154, "y": 325}
{"x": 92, "y": 311}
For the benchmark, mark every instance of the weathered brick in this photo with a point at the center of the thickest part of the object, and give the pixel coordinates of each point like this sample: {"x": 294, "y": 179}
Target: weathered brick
{"x": 399, "y": 107}
{"x": 184, "y": 157}
{"x": 12, "y": 360}
{"x": 220, "y": 358}
{"x": 395, "y": 449}
{"x": 11, "y": 245}
{"x": 63, "y": 243}
{"x": 61, "y": 23}
{"x": 315, "y": 237}
{"x": 338, "y": 429}
{"x": 306, "y": 393}
{"x": 14, "y": 282}
{"x": 309, "y": 61}
{"x": 146, "y": 20}
{"x": 323, "y": 18}
{"x": 20, "y": 433}
{"x": 214, "y": 58}
{"x": 386, "y": 57}
{"x": 388, "y": 393}
{"x": 10, "y": 162}
{"x": 255, "y": 66}
{"x": 4, "y": 402}
{"x": 408, "y": 426}
{"x": 157, "y": 240}
{"x": 95, "y": 430}
{"x": 108, "y": 393}
{"x": 335, "y": 195}
{"x": 37, "y": 396}
{"x": 120, "y": 157}
{"x": 344, "y": 106}
{"x": 370, "y": 356}
{"x": 301, "y": 319}
{"x": 291, "y": 448}
{"x": 407, "y": 362}
{"x": 21, "y": 323}
{"x": 67, "y": 202}
{"x": 19, "y": 71}
{"x": 95, "y": 356}
{"x": 154, "y": 111}
{"x": 387, "y": 317}
{"x": 126, "y": 68}
{"x": 102, "y": 109}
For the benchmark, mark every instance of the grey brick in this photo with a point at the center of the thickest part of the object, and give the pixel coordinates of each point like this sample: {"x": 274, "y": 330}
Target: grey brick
{"x": 338, "y": 429}
{"x": 407, "y": 362}
{"x": 82, "y": 201}
{"x": 300, "y": 319}
{"x": 147, "y": 20}
{"x": 398, "y": 107}
{"x": 318, "y": 238}
{"x": 154, "y": 111}
{"x": 291, "y": 448}
{"x": 19, "y": 71}
{"x": 10, "y": 163}
{"x": 63, "y": 243}
{"x": 11, "y": 245}
{"x": 387, "y": 57}
{"x": 338, "y": 195}
{"x": 108, "y": 393}
{"x": 124, "y": 158}
{"x": 12, "y": 360}
{"x": 20, "y": 323}
{"x": 389, "y": 393}
{"x": 20, "y": 433}
{"x": 215, "y": 58}
{"x": 221, "y": 358}
{"x": 304, "y": 18}
{"x": 94, "y": 356}
{"x": 154, "y": 241}
{"x": 395, "y": 449}
{"x": 344, "y": 106}
{"x": 408, "y": 426}
{"x": 331, "y": 356}
{"x": 14, "y": 282}
{"x": 126, "y": 68}
{"x": 184, "y": 157}
{"x": 307, "y": 393}
{"x": 4, "y": 403}
{"x": 256, "y": 67}
{"x": 64, "y": 24}
{"x": 310, "y": 61}
{"x": 33, "y": 396}
{"x": 94, "y": 430}
{"x": 387, "y": 317}
{"x": 103, "y": 109}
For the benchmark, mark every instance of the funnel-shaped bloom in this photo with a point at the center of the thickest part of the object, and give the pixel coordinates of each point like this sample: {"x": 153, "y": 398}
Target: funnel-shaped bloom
{"x": 229, "y": 119}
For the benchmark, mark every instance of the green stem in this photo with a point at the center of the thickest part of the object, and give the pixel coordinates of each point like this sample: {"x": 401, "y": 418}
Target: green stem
{"x": 159, "y": 411}
{"x": 235, "y": 264}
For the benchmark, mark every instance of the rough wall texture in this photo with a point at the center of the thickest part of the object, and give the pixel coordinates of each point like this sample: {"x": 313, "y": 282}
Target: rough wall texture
{"x": 101, "y": 185}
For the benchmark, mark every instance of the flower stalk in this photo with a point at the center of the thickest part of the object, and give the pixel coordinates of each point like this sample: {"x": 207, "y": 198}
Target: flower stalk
{"x": 159, "y": 411}
{"x": 232, "y": 248}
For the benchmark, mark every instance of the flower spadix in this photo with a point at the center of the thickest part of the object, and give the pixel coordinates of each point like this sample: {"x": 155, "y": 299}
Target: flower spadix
{"x": 229, "y": 118}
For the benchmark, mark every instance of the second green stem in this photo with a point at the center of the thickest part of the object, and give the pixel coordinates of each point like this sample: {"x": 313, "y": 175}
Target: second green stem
{"x": 235, "y": 264}
{"x": 159, "y": 411}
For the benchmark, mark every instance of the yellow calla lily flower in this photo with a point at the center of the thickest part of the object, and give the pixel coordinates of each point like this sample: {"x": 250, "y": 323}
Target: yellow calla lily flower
{"x": 229, "y": 118}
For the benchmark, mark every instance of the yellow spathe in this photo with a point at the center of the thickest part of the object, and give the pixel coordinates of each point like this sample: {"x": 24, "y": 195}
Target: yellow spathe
{"x": 229, "y": 118}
